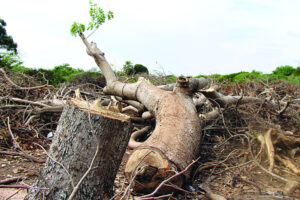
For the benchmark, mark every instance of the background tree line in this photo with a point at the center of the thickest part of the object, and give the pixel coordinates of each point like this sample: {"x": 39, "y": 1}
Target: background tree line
{"x": 10, "y": 60}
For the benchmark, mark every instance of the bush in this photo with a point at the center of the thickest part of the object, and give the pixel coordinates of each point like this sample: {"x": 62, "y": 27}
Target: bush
{"x": 245, "y": 76}
{"x": 130, "y": 70}
{"x": 140, "y": 69}
{"x": 10, "y": 60}
{"x": 284, "y": 70}
{"x": 63, "y": 73}
{"x": 171, "y": 79}
{"x": 297, "y": 71}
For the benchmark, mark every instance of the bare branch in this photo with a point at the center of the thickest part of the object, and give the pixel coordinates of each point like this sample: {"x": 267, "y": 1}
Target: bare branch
{"x": 41, "y": 87}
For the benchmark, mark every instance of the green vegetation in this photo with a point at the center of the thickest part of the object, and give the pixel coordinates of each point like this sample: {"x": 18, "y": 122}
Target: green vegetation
{"x": 282, "y": 73}
{"x": 65, "y": 73}
{"x": 130, "y": 70}
{"x": 98, "y": 17}
{"x": 6, "y": 41}
{"x": 57, "y": 75}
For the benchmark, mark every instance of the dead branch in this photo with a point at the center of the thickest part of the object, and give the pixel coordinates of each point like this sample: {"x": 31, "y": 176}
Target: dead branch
{"x": 211, "y": 115}
{"x": 18, "y": 146}
{"x": 30, "y": 158}
{"x": 132, "y": 142}
{"x": 280, "y": 112}
{"x": 223, "y": 100}
{"x": 15, "y": 186}
{"x": 41, "y": 87}
{"x": 129, "y": 108}
{"x": 270, "y": 148}
{"x": 159, "y": 197}
{"x": 288, "y": 163}
{"x": 10, "y": 180}
{"x": 28, "y": 102}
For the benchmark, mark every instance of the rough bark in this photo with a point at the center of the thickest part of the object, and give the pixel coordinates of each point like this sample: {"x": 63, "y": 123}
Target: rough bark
{"x": 74, "y": 146}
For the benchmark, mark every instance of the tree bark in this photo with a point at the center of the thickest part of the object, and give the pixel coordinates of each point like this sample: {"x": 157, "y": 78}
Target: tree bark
{"x": 74, "y": 146}
{"x": 175, "y": 140}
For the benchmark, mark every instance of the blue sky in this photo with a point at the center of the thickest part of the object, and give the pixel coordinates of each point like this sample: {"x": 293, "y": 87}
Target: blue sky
{"x": 171, "y": 36}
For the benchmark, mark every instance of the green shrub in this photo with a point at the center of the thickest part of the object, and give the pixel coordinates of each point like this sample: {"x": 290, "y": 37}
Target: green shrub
{"x": 63, "y": 73}
{"x": 171, "y": 79}
{"x": 284, "y": 70}
{"x": 140, "y": 69}
{"x": 10, "y": 60}
{"x": 128, "y": 68}
{"x": 297, "y": 71}
{"x": 246, "y": 76}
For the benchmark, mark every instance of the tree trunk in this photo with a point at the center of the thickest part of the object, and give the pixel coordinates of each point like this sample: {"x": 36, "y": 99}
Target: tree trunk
{"x": 74, "y": 146}
{"x": 175, "y": 140}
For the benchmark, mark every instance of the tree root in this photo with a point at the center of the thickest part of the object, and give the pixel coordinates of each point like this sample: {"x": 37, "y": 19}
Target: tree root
{"x": 288, "y": 163}
{"x": 270, "y": 148}
{"x": 270, "y": 139}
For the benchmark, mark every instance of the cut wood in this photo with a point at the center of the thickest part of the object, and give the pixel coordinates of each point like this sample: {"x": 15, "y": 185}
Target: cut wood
{"x": 74, "y": 146}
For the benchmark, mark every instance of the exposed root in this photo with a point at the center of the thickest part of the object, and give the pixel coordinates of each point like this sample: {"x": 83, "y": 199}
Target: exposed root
{"x": 132, "y": 142}
{"x": 270, "y": 148}
{"x": 290, "y": 187}
{"x": 289, "y": 164}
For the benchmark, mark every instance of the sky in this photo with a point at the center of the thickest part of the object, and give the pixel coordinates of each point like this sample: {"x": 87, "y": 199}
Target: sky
{"x": 177, "y": 37}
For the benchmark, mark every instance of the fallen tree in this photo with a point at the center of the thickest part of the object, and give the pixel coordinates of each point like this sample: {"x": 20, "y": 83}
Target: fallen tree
{"x": 175, "y": 140}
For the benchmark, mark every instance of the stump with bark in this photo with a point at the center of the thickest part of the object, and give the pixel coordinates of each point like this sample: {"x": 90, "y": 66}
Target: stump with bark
{"x": 81, "y": 130}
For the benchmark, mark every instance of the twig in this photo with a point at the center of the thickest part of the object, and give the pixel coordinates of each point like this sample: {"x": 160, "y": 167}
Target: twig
{"x": 131, "y": 181}
{"x": 30, "y": 158}
{"x": 41, "y": 87}
{"x": 136, "y": 173}
{"x": 178, "y": 188}
{"x": 14, "y": 194}
{"x": 29, "y": 102}
{"x": 264, "y": 169}
{"x": 280, "y": 112}
{"x": 238, "y": 178}
{"x": 18, "y": 146}
{"x": 15, "y": 186}
{"x": 159, "y": 197}
{"x": 85, "y": 174}
{"x": 117, "y": 194}
{"x": 72, "y": 182}
{"x": 169, "y": 179}
{"x": 10, "y": 180}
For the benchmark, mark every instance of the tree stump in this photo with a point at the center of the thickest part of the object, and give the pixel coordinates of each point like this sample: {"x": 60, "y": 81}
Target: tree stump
{"x": 74, "y": 146}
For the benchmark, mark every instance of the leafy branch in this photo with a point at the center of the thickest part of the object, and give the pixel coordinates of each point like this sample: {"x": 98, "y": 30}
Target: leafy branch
{"x": 98, "y": 17}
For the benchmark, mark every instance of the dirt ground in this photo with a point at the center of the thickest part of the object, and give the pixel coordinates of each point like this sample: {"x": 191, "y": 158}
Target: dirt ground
{"x": 233, "y": 179}
{"x": 227, "y": 166}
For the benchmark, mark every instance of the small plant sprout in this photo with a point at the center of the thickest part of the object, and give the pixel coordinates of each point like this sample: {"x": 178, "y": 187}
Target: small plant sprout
{"x": 98, "y": 17}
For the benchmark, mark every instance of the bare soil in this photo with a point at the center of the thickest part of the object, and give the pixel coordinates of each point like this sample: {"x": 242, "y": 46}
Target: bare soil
{"x": 231, "y": 179}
